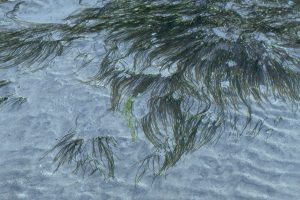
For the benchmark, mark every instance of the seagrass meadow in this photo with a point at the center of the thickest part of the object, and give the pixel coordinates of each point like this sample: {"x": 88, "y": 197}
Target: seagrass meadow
{"x": 181, "y": 76}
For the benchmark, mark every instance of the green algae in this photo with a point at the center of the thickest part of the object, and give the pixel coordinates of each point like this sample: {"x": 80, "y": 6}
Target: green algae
{"x": 129, "y": 117}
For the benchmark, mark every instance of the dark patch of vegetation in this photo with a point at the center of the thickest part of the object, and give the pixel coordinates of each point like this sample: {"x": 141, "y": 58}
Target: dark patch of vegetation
{"x": 92, "y": 156}
{"x": 3, "y": 99}
{"x": 31, "y": 46}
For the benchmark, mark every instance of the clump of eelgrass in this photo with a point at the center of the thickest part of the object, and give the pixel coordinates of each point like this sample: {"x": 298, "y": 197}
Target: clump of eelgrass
{"x": 185, "y": 55}
{"x": 90, "y": 156}
{"x": 194, "y": 62}
{"x": 32, "y": 45}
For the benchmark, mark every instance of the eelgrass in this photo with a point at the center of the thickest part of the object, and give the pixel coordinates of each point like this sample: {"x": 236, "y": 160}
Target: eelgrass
{"x": 29, "y": 46}
{"x": 10, "y": 99}
{"x": 90, "y": 156}
{"x": 194, "y": 63}
{"x": 3, "y": 99}
{"x": 3, "y": 83}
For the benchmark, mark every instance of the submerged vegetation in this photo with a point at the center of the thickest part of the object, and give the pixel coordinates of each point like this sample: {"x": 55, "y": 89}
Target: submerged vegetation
{"x": 195, "y": 64}
{"x": 3, "y": 99}
{"x": 127, "y": 112}
{"x": 92, "y": 156}
{"x": 10, "y": 99}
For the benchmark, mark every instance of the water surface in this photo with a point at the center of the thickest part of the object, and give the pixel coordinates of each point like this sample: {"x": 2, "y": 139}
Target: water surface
{"x": 42, "y": 101}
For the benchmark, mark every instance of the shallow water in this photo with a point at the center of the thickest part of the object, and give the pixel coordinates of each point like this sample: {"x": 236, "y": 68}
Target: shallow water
{"x": 263, "y": 167}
